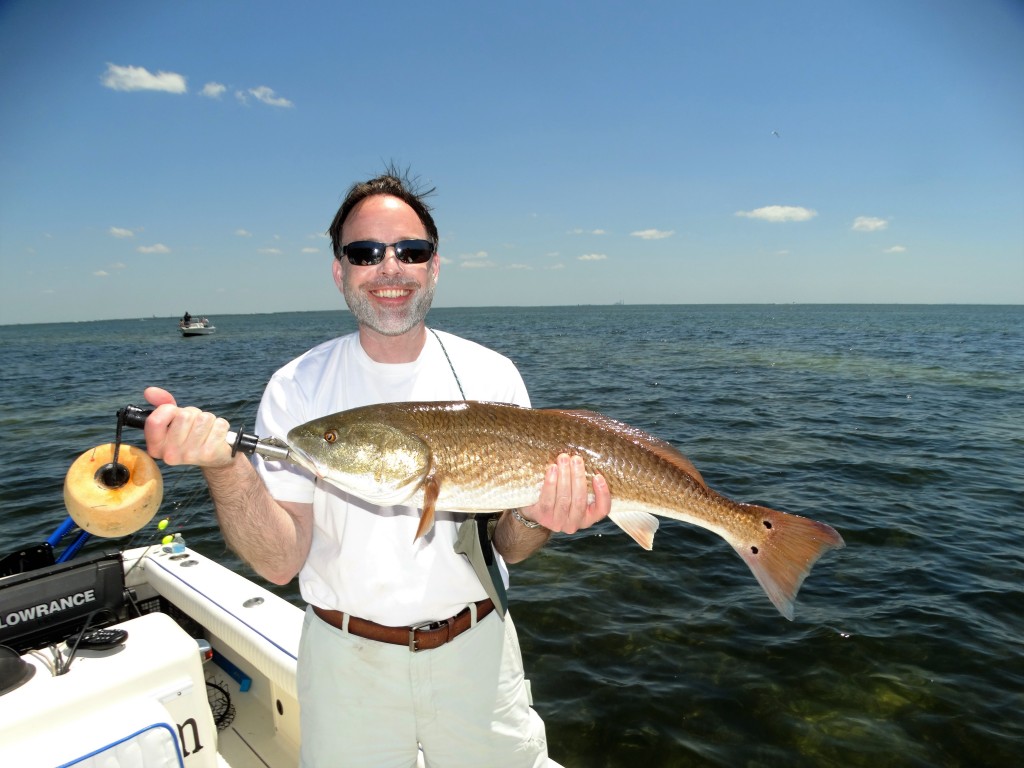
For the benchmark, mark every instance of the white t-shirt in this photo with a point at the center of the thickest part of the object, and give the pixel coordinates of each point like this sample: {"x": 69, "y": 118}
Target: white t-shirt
{"x": 363, "y": 559}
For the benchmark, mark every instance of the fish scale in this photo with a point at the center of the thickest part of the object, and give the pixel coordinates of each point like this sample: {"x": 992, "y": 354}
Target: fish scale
{"x": 469, "y": 456}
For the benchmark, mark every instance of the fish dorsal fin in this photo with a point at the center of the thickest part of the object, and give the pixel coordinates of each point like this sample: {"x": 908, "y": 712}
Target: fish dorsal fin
{"x": 640, "y": 525}
{"x": 665, "y": 451}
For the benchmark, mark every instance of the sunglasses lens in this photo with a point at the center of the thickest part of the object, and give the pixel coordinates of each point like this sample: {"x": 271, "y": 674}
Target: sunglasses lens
{"x": 414, "y": 251}
{"x": 364, "y": 253}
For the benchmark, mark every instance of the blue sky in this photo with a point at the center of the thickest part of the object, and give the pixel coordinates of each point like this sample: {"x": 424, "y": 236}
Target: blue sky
{"x": 163, "y": 156}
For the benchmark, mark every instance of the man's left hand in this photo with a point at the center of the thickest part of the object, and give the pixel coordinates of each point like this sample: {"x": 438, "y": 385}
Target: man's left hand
{"x": 566, "y": 504}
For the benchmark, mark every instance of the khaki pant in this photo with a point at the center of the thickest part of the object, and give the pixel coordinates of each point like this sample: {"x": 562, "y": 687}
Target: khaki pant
{"x": 366, "y": 704}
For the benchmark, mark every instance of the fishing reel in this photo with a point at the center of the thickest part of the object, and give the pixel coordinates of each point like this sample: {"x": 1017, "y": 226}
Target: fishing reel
{"x": 114, "y": 490}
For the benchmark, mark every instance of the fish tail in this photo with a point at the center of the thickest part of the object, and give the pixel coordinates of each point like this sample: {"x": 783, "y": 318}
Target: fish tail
{"x": 783, "y": 557}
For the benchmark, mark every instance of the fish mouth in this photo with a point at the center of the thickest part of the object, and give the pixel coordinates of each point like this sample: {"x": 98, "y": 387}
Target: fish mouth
{"x": 302, "y": 459}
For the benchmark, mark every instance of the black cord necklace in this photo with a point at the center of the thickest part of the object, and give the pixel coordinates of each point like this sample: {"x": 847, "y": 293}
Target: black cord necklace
{"x": 449, "y": 362}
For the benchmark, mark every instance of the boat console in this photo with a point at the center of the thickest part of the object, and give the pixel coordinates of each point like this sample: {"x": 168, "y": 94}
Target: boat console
{"x": 141, "y": 703}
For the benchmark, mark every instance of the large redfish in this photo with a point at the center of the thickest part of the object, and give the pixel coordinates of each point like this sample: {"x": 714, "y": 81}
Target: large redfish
{"x": 482, "y": 457}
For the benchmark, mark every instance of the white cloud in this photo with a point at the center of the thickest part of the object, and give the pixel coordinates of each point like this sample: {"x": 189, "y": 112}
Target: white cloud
{"x": 776, "y": 213}
{"x": 311, "y": 250}
{"x": 653, "y": 234}
{"x": 213, "y": 90}
{"x": 267, "y": 96}
{"x": 579, "y": 231}
{"x": 526, "y": 267}
{"x": 158, "y": 248}
{"x": 896, "y": 249}
{"x": 592, "y": 257}
{"x": 100, "y": 273}
{"x": 243, "y": 233}
{"x": 271, "y": 251}
{"x": 869, "y": 224}
{"x": 118, "y": 265}
{"x": 141, "y": 79}
{"x": 555, "y": 266}
{"x": 478, "y": 260}
{"x": 120, "y": 232}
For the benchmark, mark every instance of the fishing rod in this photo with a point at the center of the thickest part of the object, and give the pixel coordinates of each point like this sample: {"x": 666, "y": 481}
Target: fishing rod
{"x": 114, "y": 490}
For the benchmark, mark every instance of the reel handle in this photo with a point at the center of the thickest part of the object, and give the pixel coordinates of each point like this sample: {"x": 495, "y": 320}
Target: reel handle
{"x": 134, "y": 416}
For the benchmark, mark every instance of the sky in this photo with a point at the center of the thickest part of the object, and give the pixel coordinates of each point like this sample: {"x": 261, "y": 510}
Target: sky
{"x": 158, "y": 157}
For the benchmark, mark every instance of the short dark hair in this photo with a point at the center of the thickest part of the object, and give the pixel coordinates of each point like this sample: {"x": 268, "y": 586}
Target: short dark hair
{"x": 394, "y": 183}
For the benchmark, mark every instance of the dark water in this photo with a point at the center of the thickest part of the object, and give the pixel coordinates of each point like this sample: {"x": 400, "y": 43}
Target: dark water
{"x": 902, "y": 426}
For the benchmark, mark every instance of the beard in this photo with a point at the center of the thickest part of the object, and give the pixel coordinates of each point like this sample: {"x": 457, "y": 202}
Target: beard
{"x": 389, "y": 321}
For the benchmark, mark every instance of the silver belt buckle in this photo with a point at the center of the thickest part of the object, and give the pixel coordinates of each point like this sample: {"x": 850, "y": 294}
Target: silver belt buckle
{"x": 417, "y": 628}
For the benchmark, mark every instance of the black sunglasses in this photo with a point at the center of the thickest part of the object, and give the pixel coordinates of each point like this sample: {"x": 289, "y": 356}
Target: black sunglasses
{"x": 365, "y": 253}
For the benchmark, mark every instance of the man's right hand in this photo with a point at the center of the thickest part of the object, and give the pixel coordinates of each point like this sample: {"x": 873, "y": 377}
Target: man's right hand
{"x": 185, "y": 435}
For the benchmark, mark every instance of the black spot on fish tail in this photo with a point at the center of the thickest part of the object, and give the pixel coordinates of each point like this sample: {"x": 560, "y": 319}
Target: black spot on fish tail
{"x": 783, "y": 558}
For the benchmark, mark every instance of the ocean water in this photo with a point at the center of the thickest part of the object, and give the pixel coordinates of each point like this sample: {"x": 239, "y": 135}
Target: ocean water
{"x": 901, "y": 426}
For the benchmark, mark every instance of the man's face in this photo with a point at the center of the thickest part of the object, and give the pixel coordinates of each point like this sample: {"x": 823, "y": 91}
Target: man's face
{"x": 390, "y": 298}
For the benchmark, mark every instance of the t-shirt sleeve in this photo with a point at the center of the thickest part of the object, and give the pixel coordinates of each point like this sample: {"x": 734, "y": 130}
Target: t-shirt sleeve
{"x": 285, "y": 481}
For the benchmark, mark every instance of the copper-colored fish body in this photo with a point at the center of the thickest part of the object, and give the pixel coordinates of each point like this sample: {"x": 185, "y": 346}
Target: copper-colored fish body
{"x": 471, "y": 456}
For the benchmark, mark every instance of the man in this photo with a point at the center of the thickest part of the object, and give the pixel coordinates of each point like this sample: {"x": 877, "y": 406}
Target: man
{"x": 367, "y": 698}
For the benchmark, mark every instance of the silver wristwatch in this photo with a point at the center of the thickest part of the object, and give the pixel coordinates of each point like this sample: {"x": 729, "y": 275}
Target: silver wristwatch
{"x": 519, "y": 516}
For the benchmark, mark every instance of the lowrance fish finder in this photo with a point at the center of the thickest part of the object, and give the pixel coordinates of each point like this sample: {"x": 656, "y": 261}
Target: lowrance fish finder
{"x": 48, "y": 604}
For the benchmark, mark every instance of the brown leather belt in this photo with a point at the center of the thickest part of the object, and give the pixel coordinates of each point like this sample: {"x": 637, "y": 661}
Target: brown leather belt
{"x": 422, "y": 637}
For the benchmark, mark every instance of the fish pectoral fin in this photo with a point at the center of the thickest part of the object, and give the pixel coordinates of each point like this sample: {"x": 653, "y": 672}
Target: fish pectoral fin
{"x": 431, "y": 490}
{"x": 641, "y": 526}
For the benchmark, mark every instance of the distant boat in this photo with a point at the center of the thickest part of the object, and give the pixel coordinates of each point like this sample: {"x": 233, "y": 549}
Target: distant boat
{"x": 195, "y": 326}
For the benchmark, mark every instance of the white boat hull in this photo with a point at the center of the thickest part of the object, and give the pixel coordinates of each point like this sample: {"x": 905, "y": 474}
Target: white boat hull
{"x": 148, "y": 702}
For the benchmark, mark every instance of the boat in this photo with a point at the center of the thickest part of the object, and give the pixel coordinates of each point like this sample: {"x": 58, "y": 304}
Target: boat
{"x": 154, "y": 656}
{"x": 195, "y": 326}
{"x": 148, "y": 656}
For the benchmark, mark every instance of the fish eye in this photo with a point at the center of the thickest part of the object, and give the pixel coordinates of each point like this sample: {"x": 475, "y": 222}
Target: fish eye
{"x": 330, "y": 436}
